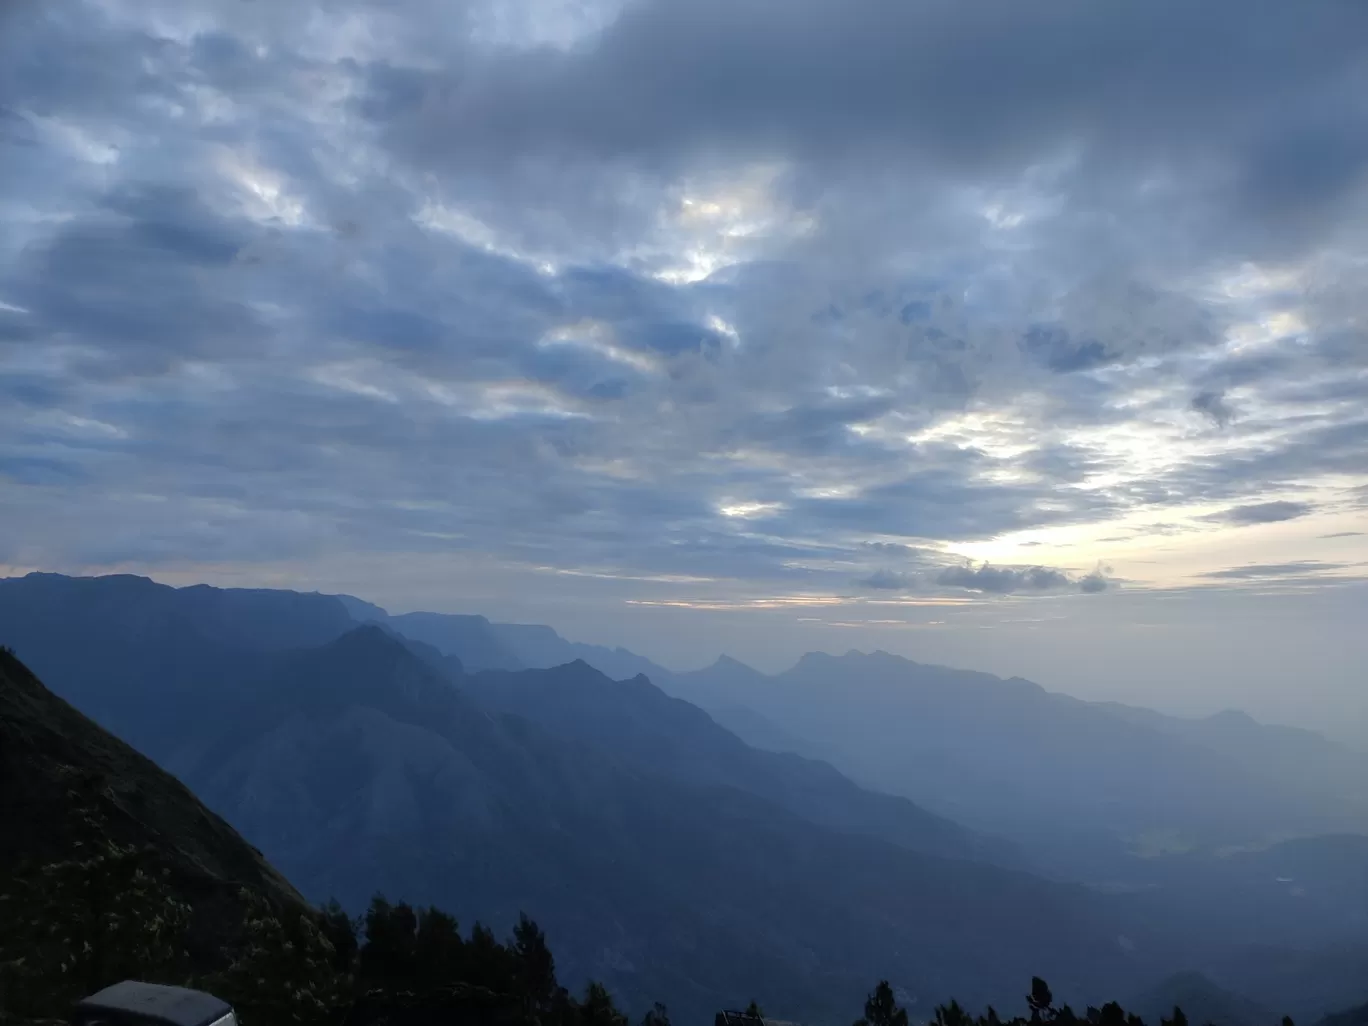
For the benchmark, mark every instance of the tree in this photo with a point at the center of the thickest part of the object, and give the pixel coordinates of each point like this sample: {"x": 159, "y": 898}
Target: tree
{"x": 597, "y": 1008}
{"x": 341, "y": 929}
{"x": 656, "y": 1016}
{"x": 881, "y": 1009}
{"x": 391, "y": 949}
{"x": 753, "y": 1009}
{"x": 438, "y": 950}
{"x": 951, "y": 1015}
{"x": 283, "y": 972}
{"x": 536, "y": 967}
{"x": 77, "y": 925}
{"x": 1040, "y": 1001}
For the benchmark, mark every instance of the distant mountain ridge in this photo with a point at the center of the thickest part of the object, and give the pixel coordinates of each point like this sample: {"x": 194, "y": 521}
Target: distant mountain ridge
{"x": 484, "y": 645}
{"x": 1202, "y": 1001}
{"x": 1005, "y": 754}
{"x": 681, "y": 863}
{"x": 358, "y": 765}
{"x": 636, "y": 721}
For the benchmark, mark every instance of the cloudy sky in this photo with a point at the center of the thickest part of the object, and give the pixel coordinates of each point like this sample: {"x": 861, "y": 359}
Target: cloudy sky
{"x": 1023, "y": 336}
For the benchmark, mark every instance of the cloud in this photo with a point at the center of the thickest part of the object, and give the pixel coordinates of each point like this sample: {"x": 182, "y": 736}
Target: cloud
{"x": 987, "y": 579}
{"x": 1256, "y": 571}
{"x": 888, "y": 580}
{"x": 280, "y": 286}
{"x": 895, "y": 549}
{"x": 971, "y": 89}
{"x": 1213, "y": 405}
{"x": 1002, "y": 580}
{"x": 1094, "y": 582}
{"x": 1262, "y": 513}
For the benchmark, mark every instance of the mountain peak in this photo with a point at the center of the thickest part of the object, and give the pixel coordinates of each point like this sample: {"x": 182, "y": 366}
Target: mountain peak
{"x": 726, "y": 662}
{"x": 369, "y": 639}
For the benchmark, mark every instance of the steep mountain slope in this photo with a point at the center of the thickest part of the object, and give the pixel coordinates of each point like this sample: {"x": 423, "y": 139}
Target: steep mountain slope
{"x": 472, "y": 639}
{"x": 637, "y": 722}
{"x": 761, "y": 733}
{"x": 688, "y": 892}
{"x": 540, "y": 647}
{"x": 1304, "y": 982}
{"x": 1287, "y": 755}
{"x": 1202, "y": 1001}
{"x": 1352, "y": 1017}
{"x": 69, "y": 789}
{"x": 356, "y": 767}
{"x": 1006, "y": 755}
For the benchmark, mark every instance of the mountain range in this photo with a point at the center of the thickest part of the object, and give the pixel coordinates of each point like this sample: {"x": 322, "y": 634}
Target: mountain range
{"x": 429, "y": 757}
{"x": 1003, "y": 756}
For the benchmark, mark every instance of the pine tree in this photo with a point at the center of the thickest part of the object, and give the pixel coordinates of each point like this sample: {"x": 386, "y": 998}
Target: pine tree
{"x": 881, "y": 1009}
{"x": 1040, "y": 1001}
{"x": 597, "y": 1008}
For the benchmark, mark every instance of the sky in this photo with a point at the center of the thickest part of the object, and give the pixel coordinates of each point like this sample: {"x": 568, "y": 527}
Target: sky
{"x": 1022, "y": 337}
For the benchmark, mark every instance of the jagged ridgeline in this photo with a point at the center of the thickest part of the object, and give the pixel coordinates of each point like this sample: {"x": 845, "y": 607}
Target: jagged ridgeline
{"x": 112, "y": 870}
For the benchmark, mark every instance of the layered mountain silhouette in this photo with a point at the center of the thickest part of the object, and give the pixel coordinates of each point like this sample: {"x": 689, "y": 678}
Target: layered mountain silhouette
{"x": 1353, "y": 1017}
{"x": 1078, "y": 783}
{"x": 635, "y": 722}
{"x": 659, "y": 851}
{"x": 933, "y": 734}
{"x": 1201, "y": 1000}
{"x": 357, "y": 767}
{"x": 483, "y": 645}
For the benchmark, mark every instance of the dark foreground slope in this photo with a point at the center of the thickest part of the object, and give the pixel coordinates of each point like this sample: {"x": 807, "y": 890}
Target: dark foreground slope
{"x": 111, "y": 870}
{"x": 94, "y": 838}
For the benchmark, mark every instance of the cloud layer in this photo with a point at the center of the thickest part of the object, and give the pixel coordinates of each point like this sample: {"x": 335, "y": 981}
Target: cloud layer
{"x": 720, "y": 298}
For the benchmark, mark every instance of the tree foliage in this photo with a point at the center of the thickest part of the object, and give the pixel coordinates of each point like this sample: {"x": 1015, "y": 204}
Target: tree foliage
{"x": 74, "y": 925}
{"x": 110, "y": 912}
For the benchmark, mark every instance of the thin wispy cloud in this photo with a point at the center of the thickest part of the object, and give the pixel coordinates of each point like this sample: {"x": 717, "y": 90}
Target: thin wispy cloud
{"x": 1261, "y": 513}
{"x": 1256, "y": 571}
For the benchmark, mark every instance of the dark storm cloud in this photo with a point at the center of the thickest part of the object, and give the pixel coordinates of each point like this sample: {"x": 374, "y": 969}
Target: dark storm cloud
{"x": 1262, "y": 513}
